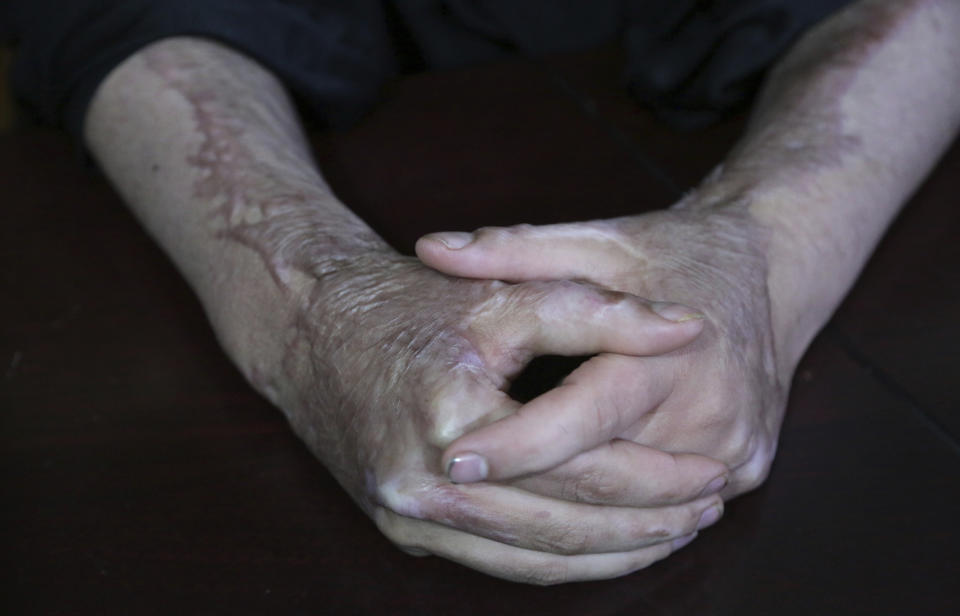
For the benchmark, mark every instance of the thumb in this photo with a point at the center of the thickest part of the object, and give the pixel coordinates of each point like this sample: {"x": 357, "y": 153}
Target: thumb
{"x": 521, "y": 253}
{"x": 593, "y": 405}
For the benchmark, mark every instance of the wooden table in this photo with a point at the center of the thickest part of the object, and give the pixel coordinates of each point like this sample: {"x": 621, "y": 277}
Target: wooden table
{"x": 141, "y": 475}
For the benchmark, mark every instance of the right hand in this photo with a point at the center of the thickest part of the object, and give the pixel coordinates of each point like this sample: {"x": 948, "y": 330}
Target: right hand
{"x": 388, "y": 362}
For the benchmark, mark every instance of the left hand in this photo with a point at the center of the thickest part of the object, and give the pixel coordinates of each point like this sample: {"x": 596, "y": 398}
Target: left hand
{"x": 723, "y": 396}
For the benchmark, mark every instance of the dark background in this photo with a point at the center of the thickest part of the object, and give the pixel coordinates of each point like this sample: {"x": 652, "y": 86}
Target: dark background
{"x": 139, "y": 474}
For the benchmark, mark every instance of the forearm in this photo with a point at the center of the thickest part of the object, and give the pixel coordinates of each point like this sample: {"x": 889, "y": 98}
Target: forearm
{"x": 204, "y": 146}
{"x": 849, "y": 123}
{"x": 377, "y": 361}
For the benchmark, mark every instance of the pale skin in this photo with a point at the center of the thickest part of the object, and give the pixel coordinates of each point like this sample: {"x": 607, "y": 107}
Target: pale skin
{"x": 848, "y": 125}
{"x": 389, "y": 370}
{"x": 378, "y": 361}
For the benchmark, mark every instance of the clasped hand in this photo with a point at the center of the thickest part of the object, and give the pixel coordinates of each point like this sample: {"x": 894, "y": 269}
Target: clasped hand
{"x": 389, "y": 362}
{"x": 721, "y": 396}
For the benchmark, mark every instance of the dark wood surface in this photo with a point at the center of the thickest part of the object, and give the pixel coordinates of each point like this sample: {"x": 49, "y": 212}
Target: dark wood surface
{"x": 140, "y": 475}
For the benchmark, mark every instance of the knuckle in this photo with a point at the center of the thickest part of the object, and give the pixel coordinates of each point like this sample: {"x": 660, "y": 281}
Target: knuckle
{"x": 562, "y": 538}
{"x": 736, "y": 445}
{"x": 446, "y": 504}
{"x": 745, "y": 444}
{"x": 571, "y": 489}
{"x": 604, "y": 299}
{"x": 752, "y": 474}
{"x": 396, "y": 529}
{"x": 652, "y": 531}
{"x": 394, "y": 498}
{"x": 420, "y": 498}
{"x": 671, "y": 486}
{"x": 442, "y": 425}
{"x": 603, "y": 491}
{"x": 448, "y": 417}
{"x": 670, "y": 493}
{"x": 487, "y": 232}
{"x": 492, "y": 286}
{"x": 676, "y": 522}
{"x": 401, "y": 533}
{"x": 594, "y": 304}
{"x": 593, "y": 486}
{"x": 497, "y": 234}
{"x": 515, "y": 297}
{"x": 608, "y": 412}
{"x": 691, "y": 518}
{"x": 754, "y": 480}
{"x": 568, "y": 541}
{"x": 538, "y": 294}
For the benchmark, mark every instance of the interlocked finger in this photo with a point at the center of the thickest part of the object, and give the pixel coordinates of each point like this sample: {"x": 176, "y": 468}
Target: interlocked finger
{"x": 626, "y": 474}
{"x": 516, "y": 563}
{"x": 596, "y": 403}
{"x": 516, "y": 517}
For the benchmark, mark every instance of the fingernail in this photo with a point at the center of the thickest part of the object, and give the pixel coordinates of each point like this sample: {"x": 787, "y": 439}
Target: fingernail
{"x": 454, "y": 240}
{"x": 714, "y": 486}
{"x": 710, "y": 516}
{"x": 679, "y": 542}
{"x": 675, "y": 312}
{"x": 467, "y": 468}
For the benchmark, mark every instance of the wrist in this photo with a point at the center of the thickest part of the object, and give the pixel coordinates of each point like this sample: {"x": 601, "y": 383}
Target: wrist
{"x": 771, "y": 225}
{"x": 259, "y": 301}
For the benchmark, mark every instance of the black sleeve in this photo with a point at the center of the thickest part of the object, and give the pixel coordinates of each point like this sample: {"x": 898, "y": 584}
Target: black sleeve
{"x": 693, "y": 61}
{"x": 333, "y": 55}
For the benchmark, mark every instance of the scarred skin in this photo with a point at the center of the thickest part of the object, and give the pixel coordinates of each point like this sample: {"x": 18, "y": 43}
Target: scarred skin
{"x": 848, "y": 125}
{"x": 458, "y": 357}
{"x": 721, "y": 395}
{"x": 378, "y": 361}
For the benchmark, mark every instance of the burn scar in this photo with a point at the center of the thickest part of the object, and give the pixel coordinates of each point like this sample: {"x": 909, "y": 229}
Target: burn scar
{"x": 262, "y": 193}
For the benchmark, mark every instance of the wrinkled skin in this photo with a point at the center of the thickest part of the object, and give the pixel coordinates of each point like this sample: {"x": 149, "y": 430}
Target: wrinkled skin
{"x": 401, "y": 360}
{"x": 723, "y": 396}
{"x": 378, "y": 361}
{"x": 206, "y": 149}
{"x": 848, "y": 123}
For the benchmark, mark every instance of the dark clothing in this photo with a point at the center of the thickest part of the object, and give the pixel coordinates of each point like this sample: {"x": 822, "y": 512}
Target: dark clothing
{"x": 691, "y": 60}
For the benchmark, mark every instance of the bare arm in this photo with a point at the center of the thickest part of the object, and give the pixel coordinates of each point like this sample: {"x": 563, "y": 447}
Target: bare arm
{"x": 205, "y": 148}
{"x": 377, "y": 361}
{"x": 846, "y": 128}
